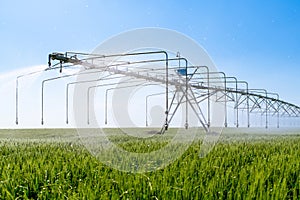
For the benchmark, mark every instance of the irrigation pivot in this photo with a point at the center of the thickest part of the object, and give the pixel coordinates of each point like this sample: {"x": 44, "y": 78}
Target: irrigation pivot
{"x": 183, "y": 86}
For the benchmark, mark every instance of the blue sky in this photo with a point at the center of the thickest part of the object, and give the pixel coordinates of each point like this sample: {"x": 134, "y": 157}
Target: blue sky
{"x": 257, "y": 41}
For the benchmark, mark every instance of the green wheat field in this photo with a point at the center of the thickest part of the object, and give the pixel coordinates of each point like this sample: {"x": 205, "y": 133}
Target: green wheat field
{"x": 53, "y": 164}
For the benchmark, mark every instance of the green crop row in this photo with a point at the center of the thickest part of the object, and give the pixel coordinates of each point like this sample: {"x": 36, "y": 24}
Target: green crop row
{"x": 241, "y": 169}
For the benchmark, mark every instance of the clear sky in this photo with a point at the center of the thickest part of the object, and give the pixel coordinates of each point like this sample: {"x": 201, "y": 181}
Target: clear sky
{"x": 257, "y": 41}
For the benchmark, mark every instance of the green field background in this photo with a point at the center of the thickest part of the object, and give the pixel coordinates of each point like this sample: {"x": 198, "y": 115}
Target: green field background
{"x": 53, "y": 164}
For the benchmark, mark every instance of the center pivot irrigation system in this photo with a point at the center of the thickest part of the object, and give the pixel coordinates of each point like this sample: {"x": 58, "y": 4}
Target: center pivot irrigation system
{"x": 183, "y": 84}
